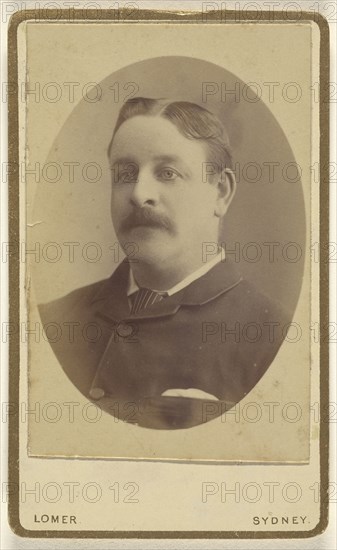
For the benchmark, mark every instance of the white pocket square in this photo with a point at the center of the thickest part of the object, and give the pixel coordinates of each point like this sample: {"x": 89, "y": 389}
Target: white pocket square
{"x": 189, "y": 393}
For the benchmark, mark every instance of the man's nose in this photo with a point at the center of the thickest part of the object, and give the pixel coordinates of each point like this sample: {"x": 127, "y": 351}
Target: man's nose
{"x": 145, "y": 190}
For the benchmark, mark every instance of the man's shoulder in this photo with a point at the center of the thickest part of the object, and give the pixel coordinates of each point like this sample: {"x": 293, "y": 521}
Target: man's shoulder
{"x": 255, "y": 303}
{"x": 79, "y": 298}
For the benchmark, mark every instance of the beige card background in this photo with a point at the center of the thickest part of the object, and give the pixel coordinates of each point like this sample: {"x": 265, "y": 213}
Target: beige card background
{"x": 255, "y": 53}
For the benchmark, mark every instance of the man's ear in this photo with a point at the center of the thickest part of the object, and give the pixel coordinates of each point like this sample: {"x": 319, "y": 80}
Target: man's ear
{"x": 226, "y": 190}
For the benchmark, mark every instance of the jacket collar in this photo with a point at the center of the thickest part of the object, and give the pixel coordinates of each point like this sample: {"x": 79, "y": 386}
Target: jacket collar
{"x": 111, "y": 301}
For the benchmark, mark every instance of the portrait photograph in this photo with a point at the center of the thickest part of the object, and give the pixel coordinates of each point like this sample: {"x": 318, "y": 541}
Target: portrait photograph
{"x": 170, "y": 211}
{"x": 167, "y": 252}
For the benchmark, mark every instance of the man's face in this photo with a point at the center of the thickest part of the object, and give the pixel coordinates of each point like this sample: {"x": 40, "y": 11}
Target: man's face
{"x": 159, "y": 199}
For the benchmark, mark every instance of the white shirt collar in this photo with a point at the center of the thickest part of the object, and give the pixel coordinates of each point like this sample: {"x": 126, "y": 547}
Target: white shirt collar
{"x": 133, "y": 287}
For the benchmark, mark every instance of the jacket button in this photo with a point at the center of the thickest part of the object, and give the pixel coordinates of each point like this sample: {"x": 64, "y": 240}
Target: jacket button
{"x": 96, "y": 393}
{"x": 124, "y": 330}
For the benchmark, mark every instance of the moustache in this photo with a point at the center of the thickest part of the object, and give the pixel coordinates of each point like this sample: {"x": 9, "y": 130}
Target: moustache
{"x": 148, "y": 218}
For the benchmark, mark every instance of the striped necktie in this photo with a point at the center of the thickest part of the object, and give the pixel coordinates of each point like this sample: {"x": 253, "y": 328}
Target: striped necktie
{"x": 144, "y": 298}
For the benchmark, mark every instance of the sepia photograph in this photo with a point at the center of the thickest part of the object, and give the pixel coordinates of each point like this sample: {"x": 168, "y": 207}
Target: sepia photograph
{"x": 189, "y": 321}
{"x": 170, "y": 239}
{"x": 152, "y": 323}
{"x": 169, "y": 185}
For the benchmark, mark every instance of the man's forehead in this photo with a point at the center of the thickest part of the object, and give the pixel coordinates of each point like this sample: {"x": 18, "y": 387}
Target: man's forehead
{"x": 153, "y": 138}
{"x": 155, "y": 158}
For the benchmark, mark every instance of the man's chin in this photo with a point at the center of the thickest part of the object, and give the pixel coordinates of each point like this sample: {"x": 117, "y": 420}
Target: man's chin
{"x": 145, "y": 242}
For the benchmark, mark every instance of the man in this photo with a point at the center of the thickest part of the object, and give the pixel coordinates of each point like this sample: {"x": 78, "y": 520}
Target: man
{"x": 163, "y": 352}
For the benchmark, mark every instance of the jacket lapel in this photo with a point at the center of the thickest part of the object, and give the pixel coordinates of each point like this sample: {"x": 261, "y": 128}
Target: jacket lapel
{"x": 221, "y": 278}
{"x": 111, "y": 301}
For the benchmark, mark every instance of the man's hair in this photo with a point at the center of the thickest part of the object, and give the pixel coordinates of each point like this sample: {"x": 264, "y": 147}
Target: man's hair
{"x": 192, "y": 121}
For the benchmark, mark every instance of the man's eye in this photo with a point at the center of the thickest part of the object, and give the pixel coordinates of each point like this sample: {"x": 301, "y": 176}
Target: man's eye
{"x": 168, "y": 174}
{"x": 125, "y": 175}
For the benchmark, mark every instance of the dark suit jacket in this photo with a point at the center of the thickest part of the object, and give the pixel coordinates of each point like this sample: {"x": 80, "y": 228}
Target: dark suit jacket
{"x": 218, "y": 335}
